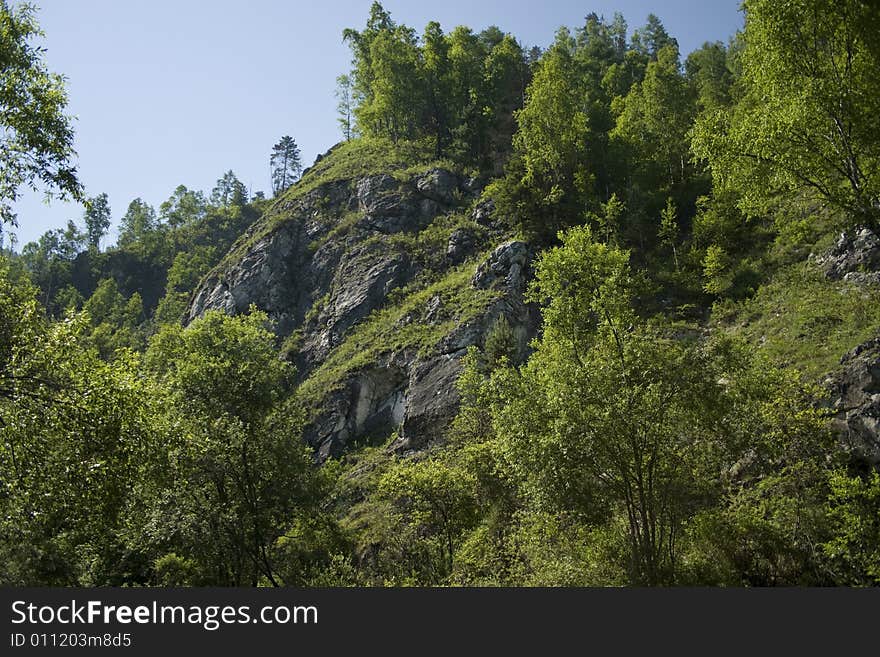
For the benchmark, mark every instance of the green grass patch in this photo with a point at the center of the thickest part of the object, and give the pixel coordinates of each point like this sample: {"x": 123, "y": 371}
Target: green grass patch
{"x": 363, "y": 157}
{"x": 801, "y": 319}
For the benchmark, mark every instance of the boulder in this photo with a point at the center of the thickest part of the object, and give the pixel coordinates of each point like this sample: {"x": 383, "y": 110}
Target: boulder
{"x": 505, "y": 264}
{"x": 483, "y": 211}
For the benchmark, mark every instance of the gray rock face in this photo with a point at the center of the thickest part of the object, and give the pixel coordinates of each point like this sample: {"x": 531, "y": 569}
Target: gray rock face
{"x": 370, "y": 405}
{"x": 263, "y": 277}
{"x": 852, "y": 257}
{"x": 855, "y": 394}
{"x": 330, "y": 263}
{"x": 462, "y": 244}
{"x": 482, "y": 212}
{"x": 439, "y": 185}
{"x": 361, "y": 282}
{"x": 419, "y": 397}
{"x": 506, "y": 262}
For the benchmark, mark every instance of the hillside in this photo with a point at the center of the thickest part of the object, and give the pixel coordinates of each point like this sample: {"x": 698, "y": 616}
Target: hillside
{"x": 378, "y": 283}
{"x": 598, "y": 314}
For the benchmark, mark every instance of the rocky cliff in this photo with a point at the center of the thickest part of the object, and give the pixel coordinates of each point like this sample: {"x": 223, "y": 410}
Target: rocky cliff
{"x": 378, "y": 284}
{"x": 855, "y": 394}
{"x": 380, "y": 276}
{"x": 854, "y": 387}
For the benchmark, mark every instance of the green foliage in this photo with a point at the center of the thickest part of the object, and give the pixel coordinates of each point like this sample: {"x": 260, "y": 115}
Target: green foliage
{"x": 51, "y": 262}
{"x": 855, "y": 513}
{"x": 232, "y": 478}
{"x": 137, "y": 224}
{"x": 653, "y": 125}
{"x": 707, "y": 69}
{"x": 97, "y": 219}
{"x": 66, "y": 270}
{"x": 37, "y": 141}
{"x": 602, "y": 119}
{"x": 229, "y": 192}
{"x": 609, "y": 220}
{"x": 73, "y": 432}
{"x": 501, "y": 344}
{"x": 460, "y": 90}
{"x": 805, "y": 104}
{"x": 431, "y": 504}
{"x": 184, "y": 207}
{"x": 345, "y": 104}
{"x": 716, "y": 270}
{"x": 554, "y": 136}
{"x": 625, "y": 444}
{"x": 221, "y": 365}
{"x": 285, "y": 164}
{"x": 115, "y": 320}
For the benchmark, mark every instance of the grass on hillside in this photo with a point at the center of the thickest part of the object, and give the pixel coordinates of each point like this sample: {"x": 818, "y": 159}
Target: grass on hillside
{"x": 801, "y": 319}
{"x": 345, "y": 161}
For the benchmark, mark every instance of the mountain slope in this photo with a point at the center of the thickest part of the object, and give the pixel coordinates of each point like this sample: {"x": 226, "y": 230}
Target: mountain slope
{"x": 379, "y": 278}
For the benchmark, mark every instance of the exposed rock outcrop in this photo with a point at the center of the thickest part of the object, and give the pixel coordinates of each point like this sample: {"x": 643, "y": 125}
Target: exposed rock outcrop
{"x": 855, "y": 395}
{"x": 854, "y": 257}
{"x": 414, "y": 393}
{"x": 322, "y": 263}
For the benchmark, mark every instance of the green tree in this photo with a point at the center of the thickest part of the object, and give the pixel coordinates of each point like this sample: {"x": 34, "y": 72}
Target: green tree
{"x": 623, "y": 425}
{"x": 345, "y": 104}
{"x": 854, "y": 508}
{"x": 708, "y": 71}
{"x": 73, "y": 430}
{"x": 115, "y": 320}
{"x": 285, "y": 163}
{"x": 669, "y": 231}
{"x": 234, "y": 476}
{"x": 397, "y": 101}
{"x": 50, "y": 262}
{"x": 716, "y": 270}
{"x": 437, "y": 72}
{"x": 434, "y": 504}
{"x": 97, "y": 219}
{"x": 183, "y": 207}
{"x": 137, "y": 223}
{"x": 37, "y": 137}
{"x": 229, "y": 192}
{"x": 610, "y": 219}
{"x": 805, "y": 110}
{"x": 361, "y": 47}
{"x": 550, "y": 183}
{"x": 654, "y": 123}
{"x": 467, "y": 53}
{"x": 185, "y": 273}
{"x": 652, "y": 38}
{"x": 505, "y": 79}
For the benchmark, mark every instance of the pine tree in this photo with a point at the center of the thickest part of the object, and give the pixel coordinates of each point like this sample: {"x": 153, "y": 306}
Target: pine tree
{"x": 229, "y": 191}
{"x": 285, "y": 164}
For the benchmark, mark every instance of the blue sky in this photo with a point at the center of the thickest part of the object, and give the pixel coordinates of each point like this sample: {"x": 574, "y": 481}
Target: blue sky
{"x": 171, "y": 92}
